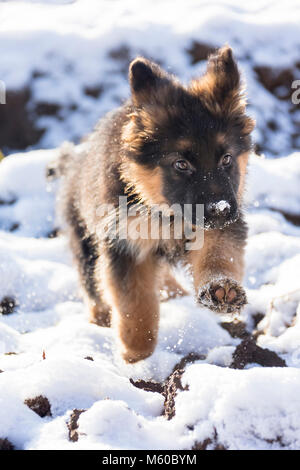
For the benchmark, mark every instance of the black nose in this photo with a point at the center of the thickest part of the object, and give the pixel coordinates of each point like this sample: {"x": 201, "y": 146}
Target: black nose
{"x": 220, "y": 209}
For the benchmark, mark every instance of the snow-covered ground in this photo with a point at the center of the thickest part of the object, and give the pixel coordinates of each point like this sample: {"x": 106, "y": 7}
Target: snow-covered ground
{"x": 74, "y": 55}
{"x": 51, "y": 337}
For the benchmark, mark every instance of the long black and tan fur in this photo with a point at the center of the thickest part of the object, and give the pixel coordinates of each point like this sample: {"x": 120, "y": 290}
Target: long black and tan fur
{"x": 134, "y": 151}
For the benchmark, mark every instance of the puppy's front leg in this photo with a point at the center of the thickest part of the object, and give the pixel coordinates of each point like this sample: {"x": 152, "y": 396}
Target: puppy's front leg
{"x": 218, "y": 269}
{"x": 134, "y": 296}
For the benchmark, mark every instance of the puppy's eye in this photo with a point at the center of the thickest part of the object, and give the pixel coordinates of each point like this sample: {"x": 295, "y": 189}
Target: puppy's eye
{"x": 226, "y": 159}
{"x": 181, "y": 165}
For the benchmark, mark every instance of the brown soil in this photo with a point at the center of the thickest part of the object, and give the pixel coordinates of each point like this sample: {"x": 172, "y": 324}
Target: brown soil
{"x": 188, "y": 359}
{"x": 292, "y": 218}
{"x": 7, "y": 305}
{"x": 236, "y": 329}
{"x": 248, "y": 352}
{"x": 171, "y": 388}
{"x": 5, "y": 444}
{"x": 17, "y": 126}
{"x": 40, "y": 405}
{"x": 257, "y": 318}
{"x": 148, "y": 386}
{"x": 273, "y": 78}
{"x": 73, "y": 424}
{"x": 171, "y": 385}
{"x": 211, "y": 442}
{"x": 200, "y": 51}
{"x": 94, "y": 92}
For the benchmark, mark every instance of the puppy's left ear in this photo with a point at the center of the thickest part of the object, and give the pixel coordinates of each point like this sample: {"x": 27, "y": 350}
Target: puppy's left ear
{"x": 220, "y": 88}
{"x": 223, "y": 73}
{"x": 146, "y": 80}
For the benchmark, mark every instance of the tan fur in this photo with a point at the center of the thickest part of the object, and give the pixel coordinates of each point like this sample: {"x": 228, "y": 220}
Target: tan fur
{"x": 208, "y": 87}
{"x": 141, "y": 247}
{"x": 219, "y": 257}
{"x": 122, "y": 278}
{"x": 146, "y": 183}
{"x": 100, "y": 313}
{"x": 137, "y": 310}
{"x": 242, "y": 162}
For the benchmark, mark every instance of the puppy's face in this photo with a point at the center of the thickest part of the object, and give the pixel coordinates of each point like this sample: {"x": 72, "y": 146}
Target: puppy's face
{"x": 189, "y": 145}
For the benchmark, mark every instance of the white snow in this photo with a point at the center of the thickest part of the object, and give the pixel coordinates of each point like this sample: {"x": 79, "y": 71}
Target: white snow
{"x": 68, "y": 48}
{"x": 252, "y": 408}
{"x": 221, "y": 206}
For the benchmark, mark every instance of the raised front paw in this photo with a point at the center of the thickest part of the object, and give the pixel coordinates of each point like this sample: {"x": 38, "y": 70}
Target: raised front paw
{"x": 222, "y": 295}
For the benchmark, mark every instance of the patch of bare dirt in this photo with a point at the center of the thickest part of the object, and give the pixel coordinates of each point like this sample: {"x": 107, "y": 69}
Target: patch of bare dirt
{"x": 248, "y": 352}
{"x": 148, "y": 386}
{"x": 17, "y": 123}
{"x": 200, "y": 51}
{"x": 173, "y": 384}
{"x": 276, "y": 80}
{"x": 7, "y": 305}
{"x": 73, "y": 424}
{"x": 236, "y": 329}
{"x": 89, "y": 358}
{"x": 40, "y": 405}
{"x": 5, "y": 444}
{"x": 211, "y": 443}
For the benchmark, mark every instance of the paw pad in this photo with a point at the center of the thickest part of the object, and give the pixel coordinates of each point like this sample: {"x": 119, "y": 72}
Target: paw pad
{"x": 222, "y": 295}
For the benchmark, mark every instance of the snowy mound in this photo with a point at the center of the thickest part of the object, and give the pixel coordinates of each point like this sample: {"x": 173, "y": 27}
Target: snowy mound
{"x": 72, "y": 60}
{"x": 62, "y": 382}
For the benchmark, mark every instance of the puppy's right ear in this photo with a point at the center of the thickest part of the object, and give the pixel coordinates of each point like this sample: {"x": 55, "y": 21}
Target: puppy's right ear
{"x": 146, "y": 80}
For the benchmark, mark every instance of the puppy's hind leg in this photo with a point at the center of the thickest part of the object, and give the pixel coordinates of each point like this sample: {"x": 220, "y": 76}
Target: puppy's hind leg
{"x": 85, "y": 251}
{"x": 134, "y": 295}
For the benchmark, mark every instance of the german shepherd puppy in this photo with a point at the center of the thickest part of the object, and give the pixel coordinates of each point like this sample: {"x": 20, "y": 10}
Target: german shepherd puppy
{"x": 169, "y": 144}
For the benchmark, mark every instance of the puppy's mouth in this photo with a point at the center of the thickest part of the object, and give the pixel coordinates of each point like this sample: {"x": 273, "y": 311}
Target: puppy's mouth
{"x": 199, "y": 219}
{"x": 214, "y": 225}
{"x": 208, "y": 224}
{"x": 220, "y": 222}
